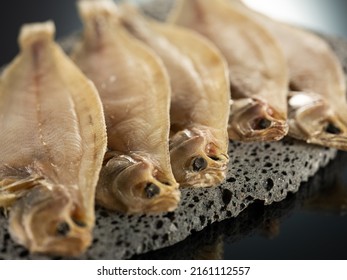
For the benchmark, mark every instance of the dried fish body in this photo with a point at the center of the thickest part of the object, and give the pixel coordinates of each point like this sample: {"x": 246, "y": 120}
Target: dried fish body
{"x": 200, "y": 98}
{"x": 258, "y": 72}
{"x": 317, "y": 94}
{"x": 52, "y": 146}
{"x": 135, "y": 91}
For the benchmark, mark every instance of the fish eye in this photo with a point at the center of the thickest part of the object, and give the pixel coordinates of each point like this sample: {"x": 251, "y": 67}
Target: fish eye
{"x": 199, "y": 163}
{"x": 261, "y": 123}
{"x": 332, "y": 129}
{"x": 63, "y": 229}
{"x": 151, "y": 190}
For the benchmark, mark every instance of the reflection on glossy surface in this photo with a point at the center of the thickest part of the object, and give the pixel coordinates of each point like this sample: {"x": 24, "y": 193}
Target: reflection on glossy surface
{"x": 211, "y": 251}
{"x": 331, "y": 200}
{"x": 290, "y": 229}
{"x": 271, "y": 228}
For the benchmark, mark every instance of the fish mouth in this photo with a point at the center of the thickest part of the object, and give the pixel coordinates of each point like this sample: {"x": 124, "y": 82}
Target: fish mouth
{"x": 213, "y": 175}
{"x": 196, "y": 158}
{"x": 313, "y": 120}
{"x": 254, "y": 120}
{"x": 209, "y": 178}
{"x": 165, "y": 202}
{"x": 133, "y": 184}
{"x": 44, "y": 221}
{"x": 150, "y": 195}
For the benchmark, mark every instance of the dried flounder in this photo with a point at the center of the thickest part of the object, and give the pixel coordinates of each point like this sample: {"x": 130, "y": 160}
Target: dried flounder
{"x": 200, "y": 98}
{"x": 52, "y": 146}
{"x": 258, "y": 72}
{"x": 317, "y": 95}
{"x": 135, "y": 91}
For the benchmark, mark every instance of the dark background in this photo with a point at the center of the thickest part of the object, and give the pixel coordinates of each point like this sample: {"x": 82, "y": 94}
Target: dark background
{"x": 14, "y": 13}
{"x": 328, "y": 16}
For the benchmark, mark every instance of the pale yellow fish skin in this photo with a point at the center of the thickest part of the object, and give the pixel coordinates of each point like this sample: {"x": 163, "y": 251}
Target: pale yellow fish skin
{"x": 258, "y": 72}
{"x": 317, "y": 93}
{"x": 135, "y": 91}
{"x": 52, "y": 146}
{"x": 200, "y": 97}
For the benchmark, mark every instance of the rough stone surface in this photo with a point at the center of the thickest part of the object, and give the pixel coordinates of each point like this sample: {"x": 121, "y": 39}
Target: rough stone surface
{"x": 257, "y": 172}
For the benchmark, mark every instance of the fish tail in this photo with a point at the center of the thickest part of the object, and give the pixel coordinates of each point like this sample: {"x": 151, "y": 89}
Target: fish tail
{"x": 33, "y": 33}
{"x": 88, "y": 8}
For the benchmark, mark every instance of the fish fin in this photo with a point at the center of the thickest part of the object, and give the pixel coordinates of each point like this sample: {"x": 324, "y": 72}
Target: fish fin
{"x": 87, "y": 7}
{"x": 12, "y": 189}
{"x": 181, "y": 9}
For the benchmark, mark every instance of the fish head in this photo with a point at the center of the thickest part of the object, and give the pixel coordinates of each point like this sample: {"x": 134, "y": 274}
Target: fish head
{"x": 134, "y": 185}
{"x": 254, "y": 120}
{"x": 198, "y": 159}
{"x": 315, "y": 121}
{"x": 46, "y": 220}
